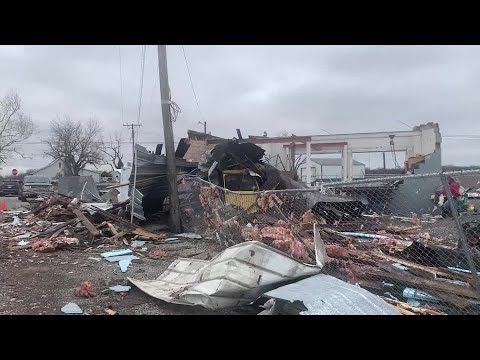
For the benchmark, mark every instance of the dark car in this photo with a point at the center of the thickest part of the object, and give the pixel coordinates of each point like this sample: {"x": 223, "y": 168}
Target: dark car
{"x": 33, "y": 186}
{"x": 9, "y": 187}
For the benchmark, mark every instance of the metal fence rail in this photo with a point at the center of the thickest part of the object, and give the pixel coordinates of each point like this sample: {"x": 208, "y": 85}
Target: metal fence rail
{"x": 392, "y": 236}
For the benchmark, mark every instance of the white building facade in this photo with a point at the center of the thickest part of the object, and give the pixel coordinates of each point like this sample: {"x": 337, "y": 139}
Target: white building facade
{"x": 329, "y": 170}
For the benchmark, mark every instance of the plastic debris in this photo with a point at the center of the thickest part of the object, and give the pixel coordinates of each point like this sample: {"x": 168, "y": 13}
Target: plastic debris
{"x": 23, "y": 243}
{"x": 23, "y": 236}
{"x": 120, "y": 258}
{"x": 124, "y": 264}
{"x": 171, "y": 239}
{"x": 116, "y": 253}
{"x": 72, "y": 308}
{"x": 16, "y": 220}
{"x": 189, "y": 235}
{"x": 120, "y": 288}
{"x": 137, "y": 243}
{"x": 94, "y": 258}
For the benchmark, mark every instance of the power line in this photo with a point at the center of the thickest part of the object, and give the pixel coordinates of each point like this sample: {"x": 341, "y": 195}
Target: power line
{"x": 142, "y": 71}
{"x": 191, "y": 83}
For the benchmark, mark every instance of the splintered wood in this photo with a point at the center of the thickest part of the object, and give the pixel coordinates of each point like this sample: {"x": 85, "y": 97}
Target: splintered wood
{"x": 60, "y": 223}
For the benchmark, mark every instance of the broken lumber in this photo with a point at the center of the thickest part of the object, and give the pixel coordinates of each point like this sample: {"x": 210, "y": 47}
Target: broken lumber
{"x": 147, "y": 234}
{"x": 91, "y": 228}
{"x": 411, "y": 308}
{"x": 402, "y": 277}
{"x": 430, "y": 269}
{"x": 112, "y": 228}
{"x": 118, "y": 235}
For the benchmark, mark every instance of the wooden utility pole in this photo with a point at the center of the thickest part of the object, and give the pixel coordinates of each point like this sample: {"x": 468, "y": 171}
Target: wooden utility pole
{"x": 134, "y": 162}
{"x": 169, "y": 142}
{"x": 132, "y": 126}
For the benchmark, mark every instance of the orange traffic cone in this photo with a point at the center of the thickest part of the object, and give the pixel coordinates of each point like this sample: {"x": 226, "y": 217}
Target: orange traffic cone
{"x": 4, "y": 205}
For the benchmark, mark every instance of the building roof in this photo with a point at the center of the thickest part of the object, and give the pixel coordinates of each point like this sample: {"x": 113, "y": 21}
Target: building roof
{"x": 333, "y": 162}
{"x": 45, "y": 167}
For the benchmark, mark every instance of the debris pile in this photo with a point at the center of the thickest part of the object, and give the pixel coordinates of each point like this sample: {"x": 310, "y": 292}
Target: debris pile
{"x": 60, "y": 222}
{"x": 396, "y": 262}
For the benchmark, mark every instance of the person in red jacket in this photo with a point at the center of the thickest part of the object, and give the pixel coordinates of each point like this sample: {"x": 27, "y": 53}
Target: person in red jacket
{"x": 455, "y": 190}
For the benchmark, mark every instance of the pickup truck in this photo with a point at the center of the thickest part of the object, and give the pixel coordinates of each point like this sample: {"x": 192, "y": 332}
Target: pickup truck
{"x": 34, "y": 185}
{"x": 9, "y": 187}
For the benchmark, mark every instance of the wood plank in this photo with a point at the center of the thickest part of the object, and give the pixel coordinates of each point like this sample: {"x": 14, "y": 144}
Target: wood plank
{"x": 147, "y": 234}
{"x": 91, "y": 228}
{"x": 404, "y": 277}
{"x": 118, "y": 236}
{"x": 411, "y": 308}
{"x": 404, "y": 311}
{"x": 112, "y": 228}
{"x": 430, "y": 269}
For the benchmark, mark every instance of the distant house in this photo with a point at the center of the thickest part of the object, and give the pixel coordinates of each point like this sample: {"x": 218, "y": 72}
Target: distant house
{"x": 57, "y": 169}
{"x": 329, "y": 169}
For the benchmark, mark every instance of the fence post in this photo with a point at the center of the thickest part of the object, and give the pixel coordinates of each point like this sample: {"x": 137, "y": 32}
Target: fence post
{"x": 463, "y": 240}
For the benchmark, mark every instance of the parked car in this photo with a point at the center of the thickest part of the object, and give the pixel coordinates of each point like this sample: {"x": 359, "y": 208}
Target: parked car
{"x": 34, "y": 185}
{"x": 9, "y": 187}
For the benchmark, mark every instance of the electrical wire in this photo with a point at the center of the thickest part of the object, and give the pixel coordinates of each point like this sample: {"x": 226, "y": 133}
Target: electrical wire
{"x": 191, "y": 83}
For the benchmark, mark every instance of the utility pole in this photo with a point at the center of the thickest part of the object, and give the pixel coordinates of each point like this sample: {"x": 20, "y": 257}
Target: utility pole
{"x": 134, "y": 161}
{"x": 204, "y": 126}
{"x": 169, "y": 144}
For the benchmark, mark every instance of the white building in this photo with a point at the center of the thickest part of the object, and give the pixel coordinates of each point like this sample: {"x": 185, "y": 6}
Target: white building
{"x": 329, "y": 169}
{"x": 56, "y": 169}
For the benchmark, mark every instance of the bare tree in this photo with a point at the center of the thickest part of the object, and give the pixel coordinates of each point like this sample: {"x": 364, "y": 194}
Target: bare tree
{"x": 77, "y": 144}
{"x": 113, "y": 151}
{"x": 15, "y": 125}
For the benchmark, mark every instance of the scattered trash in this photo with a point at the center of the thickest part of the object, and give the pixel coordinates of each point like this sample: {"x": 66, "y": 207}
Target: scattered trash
{"x": 137, "y": 243}
{"x": 120, "y": 288}
{"x": 23, "y": 236}
{"x": 170, "y": 239}
{"x": 124, "y": 264}
{"x": 16, "y": 220}
{"x": 85, "y": 290}
{"x": 72, "y": 308}
{"x": 116, "y": 253}
{"x": 23, "y": 243}
{"x": 120, "y": 258}
{"x": 189, "y": 235}
{"x": 110, "y": 311}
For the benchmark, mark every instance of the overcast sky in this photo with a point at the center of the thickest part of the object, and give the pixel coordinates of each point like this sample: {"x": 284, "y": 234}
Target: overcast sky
{"x": 298, "y": 89}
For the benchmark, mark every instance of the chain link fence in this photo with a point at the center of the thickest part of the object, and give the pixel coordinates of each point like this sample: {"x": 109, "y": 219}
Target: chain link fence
{"x": 411, "y": 240}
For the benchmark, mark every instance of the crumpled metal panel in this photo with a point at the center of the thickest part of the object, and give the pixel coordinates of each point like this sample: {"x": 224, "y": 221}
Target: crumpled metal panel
{"x": 326, "y": 295}
{"x": 235, "y": 277}
{"x": 80, "y": 187}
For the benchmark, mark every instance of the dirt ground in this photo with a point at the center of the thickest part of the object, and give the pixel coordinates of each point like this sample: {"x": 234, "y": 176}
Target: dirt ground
{"x": 33, "y": 283}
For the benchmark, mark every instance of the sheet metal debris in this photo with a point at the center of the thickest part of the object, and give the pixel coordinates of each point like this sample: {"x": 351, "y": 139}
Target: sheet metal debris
{"x": 326, "y": 295}
{"x": 120, "y": 288}
{"x": 72, "y": 309}
{"x": 235, "y": 277}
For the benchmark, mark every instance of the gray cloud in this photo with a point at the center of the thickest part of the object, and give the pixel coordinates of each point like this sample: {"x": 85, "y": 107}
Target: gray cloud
{"x": 300, "y": 89}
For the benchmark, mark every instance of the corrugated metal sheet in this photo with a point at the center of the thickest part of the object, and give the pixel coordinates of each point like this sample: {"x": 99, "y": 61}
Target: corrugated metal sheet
{"x": 326, "y": 295}
{"x": 235, "y": 277}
